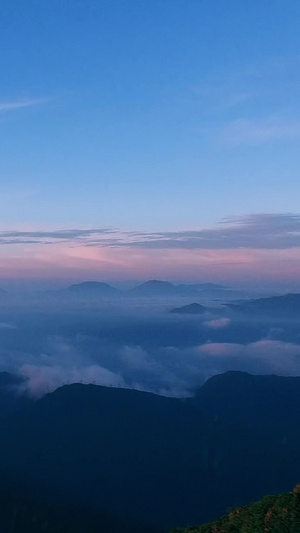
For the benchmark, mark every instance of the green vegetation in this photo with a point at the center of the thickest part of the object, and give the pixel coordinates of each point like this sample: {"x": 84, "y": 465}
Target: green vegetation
{"x": 272, "y": 514}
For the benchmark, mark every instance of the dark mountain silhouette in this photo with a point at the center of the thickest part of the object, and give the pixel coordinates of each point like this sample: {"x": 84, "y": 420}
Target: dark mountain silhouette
{"x": 7, "y": 379}
{"x": 259, "y": 422}
{"x": 273, "y": 514}
{"x": 23, "y": 513}
{"x": 131, "y": 453}
{"x": 93, "y": 288}
{"x": 240, "y": 397}
{"x": 287, "y": 306}
{"x": 158, "y": 460}
{"x": 12, "y": 398}
{"x": 190, "y": 309}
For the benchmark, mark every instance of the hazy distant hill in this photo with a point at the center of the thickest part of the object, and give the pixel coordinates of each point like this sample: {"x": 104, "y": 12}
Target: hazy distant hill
{"x": 93, "y": 288}
{"x": 158, "y": 288}
{"x": 191, "y": 309}
{"x": 154, "y": 288}
{"x": 273, "y": 514}
{"x": 148, "y": 289}
{"x": 287, "y": 306}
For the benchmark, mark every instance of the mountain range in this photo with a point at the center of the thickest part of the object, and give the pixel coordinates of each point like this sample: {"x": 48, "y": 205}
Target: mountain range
{"x": 148, "y": 289}
{"x": 155, "y": 289}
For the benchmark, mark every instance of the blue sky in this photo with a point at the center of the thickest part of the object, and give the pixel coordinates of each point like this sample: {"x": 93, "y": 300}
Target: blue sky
{"x": 145, "y": 116}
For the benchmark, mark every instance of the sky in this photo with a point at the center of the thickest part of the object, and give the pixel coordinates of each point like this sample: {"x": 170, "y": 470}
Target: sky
{"x": 144, "y": 139}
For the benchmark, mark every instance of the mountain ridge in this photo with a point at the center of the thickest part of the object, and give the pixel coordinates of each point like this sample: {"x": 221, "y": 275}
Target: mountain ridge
{"x": 287, "y": 305}
{"x": 153, "y": 458}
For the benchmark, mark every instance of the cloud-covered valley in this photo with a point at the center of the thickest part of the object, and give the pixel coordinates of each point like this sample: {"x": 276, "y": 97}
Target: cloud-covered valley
{"x": 140, "y": 348}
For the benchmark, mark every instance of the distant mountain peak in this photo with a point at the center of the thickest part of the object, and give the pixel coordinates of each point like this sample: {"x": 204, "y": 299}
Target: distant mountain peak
{"x": 93, "y": 288}
{"x": 154, "y": 287}
{"x": 156, "y": 283}
{"x": 190, "y": 309}
{"x": 88, "y": 285}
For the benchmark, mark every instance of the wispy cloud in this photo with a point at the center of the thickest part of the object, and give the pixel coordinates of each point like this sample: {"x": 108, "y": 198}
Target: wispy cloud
{"x": 276, "y": 231}
{"x": 20, "y": 104}
{"x": 51, "y": 237}
{"x": 264, "y": 85}
{"x": 262, "y": 231}
{"x": 257, "y": 132}
{"x": 251, "y": 104}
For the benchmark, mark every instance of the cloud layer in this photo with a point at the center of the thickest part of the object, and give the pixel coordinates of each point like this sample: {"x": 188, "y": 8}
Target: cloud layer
{"x": 261, "y": 231}
{"x": 150, "y": 350}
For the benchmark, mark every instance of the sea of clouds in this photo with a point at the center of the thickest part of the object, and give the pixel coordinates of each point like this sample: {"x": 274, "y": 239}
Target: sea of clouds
{"x": 145, "y": 349}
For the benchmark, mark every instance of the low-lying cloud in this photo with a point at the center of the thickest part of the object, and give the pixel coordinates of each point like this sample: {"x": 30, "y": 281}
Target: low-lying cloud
{"x": 265, "y": 355}
{"x": 40, "y": 380}
{"x": 168, "y": 371}
{"x": 218, "y": 323}
{"x": 135, "y": 348}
